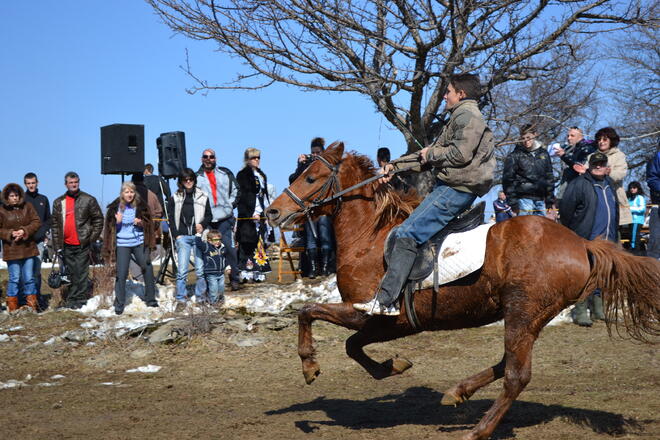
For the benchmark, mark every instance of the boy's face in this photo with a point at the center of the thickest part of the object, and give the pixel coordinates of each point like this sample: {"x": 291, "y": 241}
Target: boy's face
{"x": 215, "y": 241}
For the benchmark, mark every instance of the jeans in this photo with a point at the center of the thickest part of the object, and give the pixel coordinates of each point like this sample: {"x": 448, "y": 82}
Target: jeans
{"x": 184, "y": 245}
{"x": 653, "y": 247}
{"x": 323, "y": 228}
{"x": 21, "y": 270}
{"x": 226, "y": 228}
{"x": 141, "y": 255}
{"x": 76, "y": 259}
{"x": 216, "y": 285}
{"x": 436, "y": 210}
{"x": 531, "y": 207}
{"x": 36, "y": 264}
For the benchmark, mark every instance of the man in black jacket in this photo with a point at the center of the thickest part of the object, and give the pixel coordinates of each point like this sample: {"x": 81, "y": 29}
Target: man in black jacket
{"x": 527, "y": 178}
{"x": 589, "y": 208}
{"x": 575, "y": 152}
{"x": 42, "y": 206}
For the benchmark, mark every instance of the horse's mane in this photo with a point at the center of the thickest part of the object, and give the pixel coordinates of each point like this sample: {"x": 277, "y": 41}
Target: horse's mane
{"x": 391, "y": 204}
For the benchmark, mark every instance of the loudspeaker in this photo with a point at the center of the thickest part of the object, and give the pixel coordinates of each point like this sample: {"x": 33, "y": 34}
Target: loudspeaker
{"x": 171, "y": 153}
{"x": 122, "y": 149}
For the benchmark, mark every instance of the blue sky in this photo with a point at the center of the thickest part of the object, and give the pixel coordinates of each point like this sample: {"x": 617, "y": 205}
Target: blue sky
{"x": 70, "y": 67}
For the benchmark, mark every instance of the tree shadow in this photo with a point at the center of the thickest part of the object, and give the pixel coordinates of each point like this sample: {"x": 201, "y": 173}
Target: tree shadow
{"x": 421, "y": 406}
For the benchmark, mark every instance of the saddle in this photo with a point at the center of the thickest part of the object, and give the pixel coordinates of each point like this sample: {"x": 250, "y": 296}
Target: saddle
{"x": 427, "y": 253}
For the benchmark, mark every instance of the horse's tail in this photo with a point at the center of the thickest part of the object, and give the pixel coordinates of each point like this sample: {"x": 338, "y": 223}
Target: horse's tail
{"x": 630, "y": 287}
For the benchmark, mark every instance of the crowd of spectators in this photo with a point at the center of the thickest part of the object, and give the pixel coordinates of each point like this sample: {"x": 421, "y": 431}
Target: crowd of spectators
{"x": 199, "y": 217}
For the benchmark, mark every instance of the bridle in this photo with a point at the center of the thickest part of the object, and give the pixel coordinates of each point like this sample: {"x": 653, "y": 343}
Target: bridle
{"x": 330, "y": 186}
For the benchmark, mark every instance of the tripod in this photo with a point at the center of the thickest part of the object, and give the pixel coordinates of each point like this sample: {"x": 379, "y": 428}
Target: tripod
{"x": 170, "y": 250}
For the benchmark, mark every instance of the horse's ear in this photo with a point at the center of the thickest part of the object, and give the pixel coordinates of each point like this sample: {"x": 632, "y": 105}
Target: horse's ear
{"x": 335, "y": 151}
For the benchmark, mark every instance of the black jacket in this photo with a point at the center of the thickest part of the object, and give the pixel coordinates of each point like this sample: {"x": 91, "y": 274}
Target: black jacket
{"x": 528, "y": 175}
{"x": 42, "y": 206}
{"x": 576, "y": 154}
{"x": 250, "y": 194}
{"x": 577, "y": 208}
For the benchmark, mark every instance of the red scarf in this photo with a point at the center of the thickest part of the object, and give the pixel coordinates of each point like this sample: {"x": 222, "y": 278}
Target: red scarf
{"x": 211, "y": 176}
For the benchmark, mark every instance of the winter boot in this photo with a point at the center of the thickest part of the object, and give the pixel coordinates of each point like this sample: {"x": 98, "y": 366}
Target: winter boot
{"x": 12, "y": 303}
{"x": 325, "y": 262}
{"x": 32, "y": 302}
{"x": 597, "y": 307}
{"x": 400, "y": 264}
{"x": 313, "y": 254}
{"x": 581, "y": 315}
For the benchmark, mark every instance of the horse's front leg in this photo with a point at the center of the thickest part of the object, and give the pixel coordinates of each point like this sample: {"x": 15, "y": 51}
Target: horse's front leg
{"x": 342, "y": 314}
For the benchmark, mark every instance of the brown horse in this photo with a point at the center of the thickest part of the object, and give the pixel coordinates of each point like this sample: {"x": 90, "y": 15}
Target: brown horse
{"x": 533, "y": 269}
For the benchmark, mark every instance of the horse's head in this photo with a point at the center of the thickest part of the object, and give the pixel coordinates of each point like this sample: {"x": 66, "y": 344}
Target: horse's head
{"x": 306, "y": 194}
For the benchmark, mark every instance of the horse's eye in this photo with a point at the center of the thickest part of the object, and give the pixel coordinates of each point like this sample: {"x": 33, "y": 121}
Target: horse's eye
{"x": 309, "y": 179}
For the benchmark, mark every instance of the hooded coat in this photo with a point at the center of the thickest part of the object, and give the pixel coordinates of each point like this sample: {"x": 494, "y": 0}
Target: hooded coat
{"x": 14, "y": 217}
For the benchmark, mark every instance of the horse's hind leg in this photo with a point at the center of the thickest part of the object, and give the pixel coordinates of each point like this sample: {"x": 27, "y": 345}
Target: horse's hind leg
{"x": 378, "y": 370}
{"x": 462, "y": 391}
{"x": 342, "y": 314}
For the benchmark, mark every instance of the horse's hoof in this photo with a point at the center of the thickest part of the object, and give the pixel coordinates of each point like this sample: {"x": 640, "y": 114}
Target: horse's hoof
{"x": 311, "y": 373}
{"x": 451, "y": 399}
{"x": 399, "y": 365}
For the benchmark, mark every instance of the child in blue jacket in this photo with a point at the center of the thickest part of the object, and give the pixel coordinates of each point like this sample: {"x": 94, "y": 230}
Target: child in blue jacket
{"x": 213, "y": 254}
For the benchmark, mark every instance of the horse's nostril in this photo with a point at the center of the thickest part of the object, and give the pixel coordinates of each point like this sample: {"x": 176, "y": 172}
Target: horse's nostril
{"x": 272, "y": 213}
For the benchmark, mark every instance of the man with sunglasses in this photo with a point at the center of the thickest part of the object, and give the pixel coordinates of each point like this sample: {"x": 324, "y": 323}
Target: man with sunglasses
{"x": 220, "y": 185}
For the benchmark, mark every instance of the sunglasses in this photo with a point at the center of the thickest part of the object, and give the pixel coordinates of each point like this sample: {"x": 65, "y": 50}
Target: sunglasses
{"x": 208, "y": 156}
{"x": 255, "y": 157}
{"x": 214, "y": 239}
{"x": 188, "y": 179}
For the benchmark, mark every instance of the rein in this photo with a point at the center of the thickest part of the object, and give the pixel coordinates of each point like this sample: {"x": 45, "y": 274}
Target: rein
{"x": 332, "y": 185}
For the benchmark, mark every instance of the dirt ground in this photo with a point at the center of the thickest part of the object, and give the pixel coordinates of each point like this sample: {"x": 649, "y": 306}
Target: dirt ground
{"x": 585, "y": 386}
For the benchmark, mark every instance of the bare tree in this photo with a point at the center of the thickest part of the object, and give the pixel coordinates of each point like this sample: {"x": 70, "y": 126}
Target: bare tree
{"x": 398, "y": 53}
{"x": 636, "y": 94}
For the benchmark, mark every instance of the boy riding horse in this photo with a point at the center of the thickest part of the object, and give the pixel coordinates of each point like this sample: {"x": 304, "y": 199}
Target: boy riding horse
{"x": 463, "y": 163}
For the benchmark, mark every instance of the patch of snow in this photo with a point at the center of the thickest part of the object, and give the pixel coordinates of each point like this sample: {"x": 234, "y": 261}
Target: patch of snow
{"x": 57, "y": 377}
{"x": 15, "y": 329}
{"x": 146, "y": 369}
{"x": 47, "y": 384}
{"x": 110, "y": 384}
{"x": 52, "y": 340}
{"x": 4, "y": 338}
{"x": 11, "y": 383}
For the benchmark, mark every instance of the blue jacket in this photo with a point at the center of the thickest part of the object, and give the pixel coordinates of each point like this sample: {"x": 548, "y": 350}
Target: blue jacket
{"x": 638, "y": 209}
{"x": 589, "y": 206}
{"x": 653, "y": 178}
{"x": 214, "y": 258}
{"x": 502, "y": 210}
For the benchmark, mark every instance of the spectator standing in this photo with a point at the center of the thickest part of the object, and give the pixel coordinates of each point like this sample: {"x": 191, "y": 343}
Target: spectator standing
{"x": 252, "y": 230}
{"x": 40, "y": 204}
{"x": 157, "y": 185}
{"x": 608, "y": 141}
{"x": 213, "y": 253}
{"x": 575, "y": 153}
{"x": 19, "y": 223}
{"x": 383, "y": 156}
{"x": 502, "y": 208}
{"x": 653, "y": 181}
{"x": 637, "y": 203}
{"x": 77, "y": 222}
{"x": 318, "y": 234}
{"x": 221, "y": 188}
{"x": 190, "y": 214}
{"x": 589, "y": 208}
{"x": 527, "y": 178}
{"x": 129, "y": 232}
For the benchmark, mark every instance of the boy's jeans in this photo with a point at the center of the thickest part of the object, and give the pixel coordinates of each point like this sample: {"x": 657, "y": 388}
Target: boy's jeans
{"x": 216, "y": 287}
{"x": 184, "y": 245}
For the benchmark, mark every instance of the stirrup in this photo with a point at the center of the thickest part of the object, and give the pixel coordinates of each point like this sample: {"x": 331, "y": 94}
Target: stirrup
{"x": 373, "y": 307}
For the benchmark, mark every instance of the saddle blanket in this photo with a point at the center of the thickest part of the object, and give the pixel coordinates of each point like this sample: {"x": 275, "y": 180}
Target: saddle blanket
{"x": 460, "y": 255}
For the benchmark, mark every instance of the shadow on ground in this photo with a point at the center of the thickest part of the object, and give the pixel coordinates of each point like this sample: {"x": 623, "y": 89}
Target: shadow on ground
{"x": 420, "y": 406}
